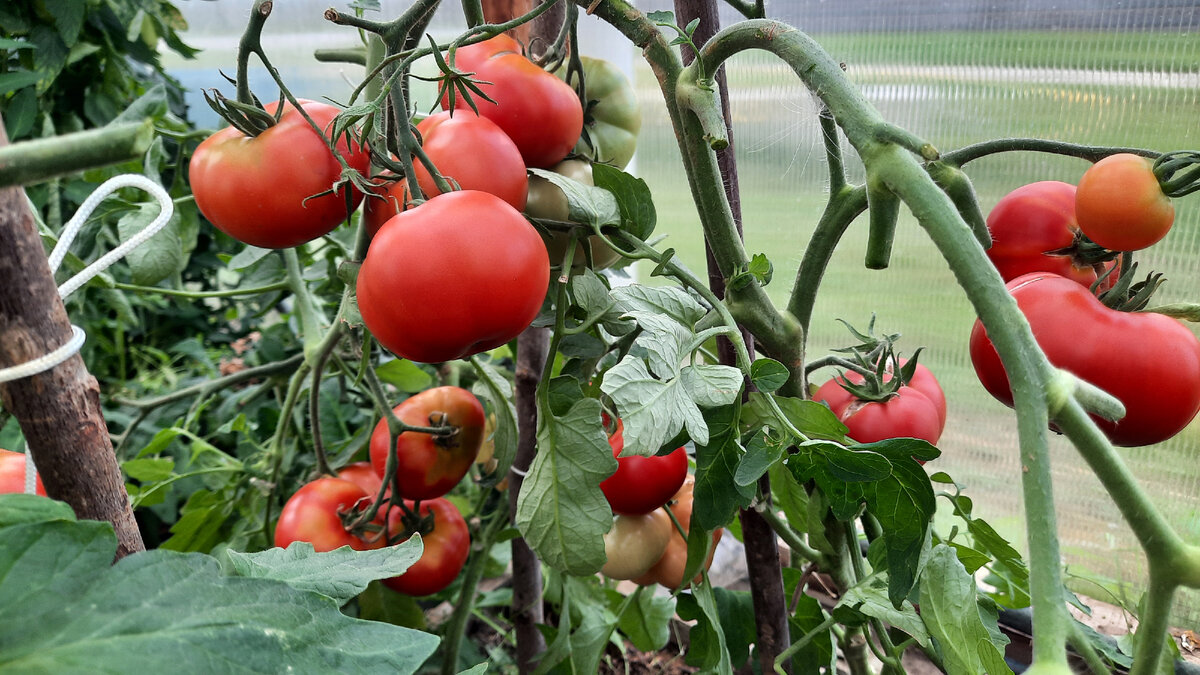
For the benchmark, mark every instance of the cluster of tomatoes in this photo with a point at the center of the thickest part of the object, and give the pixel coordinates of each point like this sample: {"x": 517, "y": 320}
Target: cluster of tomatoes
{"x": 426, "y": 467}
{"x": 1056, "y": 245}
{"x": 644, "y": 544}
{"x": 911, "y": 406}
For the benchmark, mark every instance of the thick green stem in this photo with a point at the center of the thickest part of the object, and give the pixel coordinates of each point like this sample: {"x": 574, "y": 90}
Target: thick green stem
{"x": 312, "y": 321}
{"x": 1091, "y": 153}
{"x": 1153, "y": 622}
{"x": 790, "y": 537}
{"x": 30, "y": 162}
{"x": 456, "y": 627}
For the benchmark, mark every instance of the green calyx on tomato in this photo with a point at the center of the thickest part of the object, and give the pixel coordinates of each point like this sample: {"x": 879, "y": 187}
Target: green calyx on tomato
{"x": 276, "y": 189}
{"x": 547, "y": 201}
{"x": 446, "y": 540}
{"x": 1148, "y": 361}
{"x": 460, "y": 274}
{"x": 430, "y": 465}
{"x": 538, "y": 111}
{"x": 612, "y": 117}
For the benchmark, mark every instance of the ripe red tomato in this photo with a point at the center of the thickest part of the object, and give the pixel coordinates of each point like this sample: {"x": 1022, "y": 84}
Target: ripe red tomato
{"x": 539, "y": 112}
{"x": 395, "y": 198}
{"x": 1150, "y": 362}
{"x": 460, "y": 274}
{"x": 1034, "y": 229}
{"x": 256, "y": 190}
{"x": 429, "y": 466}
{"x": 468, "y": 58}
{"x": 12, "y": 474}
{"x": 1120, "y": 205}
{"x": 474, "y": 153}
{"x": 668, "y": 571}
{"x": 907, "y": 414}
{"x": 636, "y": 543}
{"x": 445, "y": 553}
{"x": 642, "y": 484}
{"x": 923, "y": 380}
{"x": 313, "y": 515}
{"x": 363, "y": 475}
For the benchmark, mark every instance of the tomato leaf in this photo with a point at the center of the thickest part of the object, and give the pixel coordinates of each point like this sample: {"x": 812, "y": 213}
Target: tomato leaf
{"x": 893, "y": 486}
{"x": 820, "y": 654}
{"x": 495, "y": 389}
{"x": 20, "y": 508}
{"x": 63, "y": 604}
{"x": 762, "y": 452}
{"x": 950, "y": 609}
{"x": 634, "y": 201}
{"x": 646, "y": 621}
{"x": 707, "y": 648}
{"x": 340, "y": 574}
{"x": 404, "y": 375}
{"x": 716, "y": 492}
{"x": 666, "y": 300}
{"x": 653, "y": 410}
{"x": 813, "y": 419}
{"x": 768, "y": 375}
{"x": 585, "y": 203}
{"x": 869, "y": 598}
{"x": 561, "y": 510}
{"x": 158, "y": 257}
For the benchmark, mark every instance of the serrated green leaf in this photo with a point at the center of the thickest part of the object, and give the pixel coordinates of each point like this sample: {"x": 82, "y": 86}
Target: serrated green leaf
{"x": 248, "y": 256}
{"x": 380, "y": 603}
{"x": 811, "y": 418}
{"x": 653, "y": 411}
{"x": 869, "y": 598}
{"x": 711, "y": 386}
{"x": 666, "y": 300}
{"x": 662, "y": 16}
{"x": 65, "y": 608}
{"x": 762, "y": 452}
{"x": 950, "y": 609}
{"x": 716, "y": 494}
{"x": 561, "y": 512}
{"x": 634, "y": 201}
{"x": 707, "y": 648}
{"x": 819, "y": 656}
{"x": 340, "y": 574}
{"x": 404, "y": 375}
{"x": 762, "y": 269}
{"x": 201, "y": 523}
{"x": 768, "y": 375}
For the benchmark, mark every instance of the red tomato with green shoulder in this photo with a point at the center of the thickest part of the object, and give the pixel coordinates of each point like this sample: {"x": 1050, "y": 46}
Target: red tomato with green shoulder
{"x": 1149, "y": 362}
{"x": 12, "y": 474}
{"x": 447, "y": 543}
{"x": 1034, "y": 229}
{"x": 257, "y": 189}
{"x": 539, "y": 112}
{"x": 1120, "y": 204}
{"x": 474, "y": 153}
{"x": 429, "y": 466}
{"x": 642, "y": 484}
{"x": 457, "y": 275}
{"x": 314, "y": 514}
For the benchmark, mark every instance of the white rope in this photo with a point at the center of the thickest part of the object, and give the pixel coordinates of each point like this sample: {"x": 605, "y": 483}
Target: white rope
{"x": 43, "y": 363}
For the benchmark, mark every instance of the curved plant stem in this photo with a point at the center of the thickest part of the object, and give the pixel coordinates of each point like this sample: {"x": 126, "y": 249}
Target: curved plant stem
{"x": 1091, "y": 153}
{"x": 200, "y": 295}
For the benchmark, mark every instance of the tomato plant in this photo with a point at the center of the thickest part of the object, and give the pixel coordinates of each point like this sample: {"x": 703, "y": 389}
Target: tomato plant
{"x": 12, "y": 474}
{"x": 1150, "y": 362}
{"x": 538, "y": 111}
{"x": 636, "y": 543}
{"x": 613, "y": 116}
{"x": 262, "y": 190}
{"x": 669, "y": 569}
{"x": 460, "y": 274}
{"x": 429, "y": 465}
{"x": 446, "y": 539}
{"x": 642, "y": 484}
{"x": 315, "y": 514}
{"x": 474, "y": 153}
{"x": 1034, "y": 229}
{"x": 1120, "y": 205}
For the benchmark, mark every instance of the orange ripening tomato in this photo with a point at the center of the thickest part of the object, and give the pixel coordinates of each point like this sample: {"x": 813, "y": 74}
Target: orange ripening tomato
{"x": 669, "y": 569}
{"x": 1120, "y": 205}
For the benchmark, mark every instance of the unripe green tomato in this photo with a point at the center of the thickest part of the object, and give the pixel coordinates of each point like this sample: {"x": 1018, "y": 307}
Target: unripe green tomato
{"x": 610, "y": 126}
{"x": 547, "y": 201}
